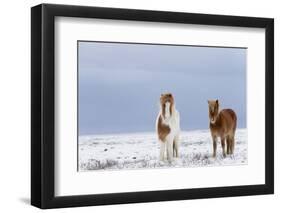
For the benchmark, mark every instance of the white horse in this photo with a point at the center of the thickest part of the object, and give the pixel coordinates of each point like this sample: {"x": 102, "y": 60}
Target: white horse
{"x": 168, "y": 127}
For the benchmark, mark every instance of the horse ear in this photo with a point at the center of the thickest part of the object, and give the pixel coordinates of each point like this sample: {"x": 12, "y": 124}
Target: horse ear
{"x": 217, "y": 102}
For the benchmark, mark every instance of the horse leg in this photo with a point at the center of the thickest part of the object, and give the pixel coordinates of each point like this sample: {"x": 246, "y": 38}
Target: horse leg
{"x": 169, "y": 147}
{"x": 232, "y": 145}
{"x": 176, "y": 147}
{"x": 214, "y": 146}
{"x": 223, "y": 146}
{"x": 228, "y": 144}
{"x": 162, "y": 150}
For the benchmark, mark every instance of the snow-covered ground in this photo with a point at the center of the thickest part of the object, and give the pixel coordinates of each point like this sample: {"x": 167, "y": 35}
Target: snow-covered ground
{"x": 141, "y": 150}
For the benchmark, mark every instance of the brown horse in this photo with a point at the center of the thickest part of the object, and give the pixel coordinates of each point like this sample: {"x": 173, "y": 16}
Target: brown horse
{"x": 223, "y": 125}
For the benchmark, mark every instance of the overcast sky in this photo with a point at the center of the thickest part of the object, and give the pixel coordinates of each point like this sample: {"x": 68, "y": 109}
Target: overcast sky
{"x": 120, "y": 84}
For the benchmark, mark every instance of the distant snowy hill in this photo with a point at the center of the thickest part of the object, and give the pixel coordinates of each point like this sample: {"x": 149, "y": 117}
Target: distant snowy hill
{"x": 141, "y": 150}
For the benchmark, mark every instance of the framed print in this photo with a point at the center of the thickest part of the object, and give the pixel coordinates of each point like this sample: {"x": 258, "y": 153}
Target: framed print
{"x": 139, "y": 106}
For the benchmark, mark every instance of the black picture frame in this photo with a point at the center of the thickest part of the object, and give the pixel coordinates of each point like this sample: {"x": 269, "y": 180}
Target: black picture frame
{"x": 43, "y": 110}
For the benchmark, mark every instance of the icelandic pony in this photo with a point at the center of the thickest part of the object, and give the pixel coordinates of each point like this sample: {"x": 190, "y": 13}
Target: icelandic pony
{"x": 222, "y": 124}
{"x": 168, "y": 127}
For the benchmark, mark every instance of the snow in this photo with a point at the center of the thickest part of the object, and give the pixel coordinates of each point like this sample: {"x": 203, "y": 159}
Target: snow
{"x": 141, "y": 151}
